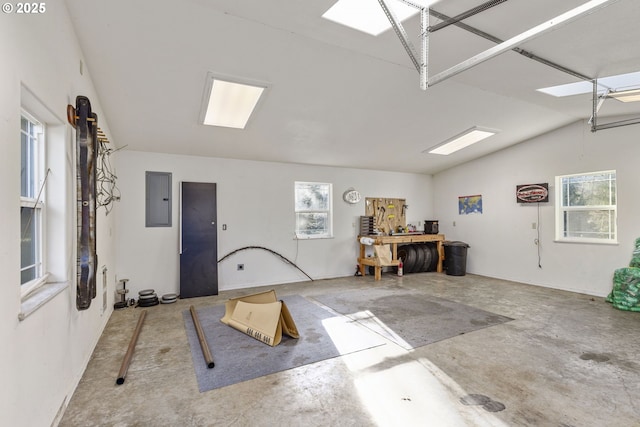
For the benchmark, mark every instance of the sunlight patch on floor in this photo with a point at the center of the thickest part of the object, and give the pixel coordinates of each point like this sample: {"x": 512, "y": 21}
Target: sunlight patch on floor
{"x": 397, "y": 389}
{"x": 368, "y": 319}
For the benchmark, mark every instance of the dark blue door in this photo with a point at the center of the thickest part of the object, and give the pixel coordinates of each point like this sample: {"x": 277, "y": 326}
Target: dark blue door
{"x": 199, "y": 240}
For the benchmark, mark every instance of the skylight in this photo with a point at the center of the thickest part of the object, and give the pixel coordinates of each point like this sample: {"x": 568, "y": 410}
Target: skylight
{"x": 228, "y": 103}
{"x": 618, "y": 83}
{"x": 367, "y": 15}
{"x": 465, "y": 139}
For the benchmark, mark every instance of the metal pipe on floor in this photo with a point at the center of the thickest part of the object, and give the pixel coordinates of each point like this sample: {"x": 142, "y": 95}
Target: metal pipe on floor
{"x": 203, "y": 341}
{"x": 129, "y": 354}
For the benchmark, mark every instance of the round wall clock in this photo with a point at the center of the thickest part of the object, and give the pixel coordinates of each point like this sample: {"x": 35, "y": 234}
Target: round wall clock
{"x": 351, "y": 196}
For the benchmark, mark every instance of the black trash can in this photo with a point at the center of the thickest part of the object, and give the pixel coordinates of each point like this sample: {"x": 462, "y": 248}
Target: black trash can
{"x": 455, "y": 258}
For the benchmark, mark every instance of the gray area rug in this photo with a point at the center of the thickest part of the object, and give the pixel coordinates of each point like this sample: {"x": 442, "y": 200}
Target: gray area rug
{"x": 409, "y": 318}
{"x": 238, "y": 357}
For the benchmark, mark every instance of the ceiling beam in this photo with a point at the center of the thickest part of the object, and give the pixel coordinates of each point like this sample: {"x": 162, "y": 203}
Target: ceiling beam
{"x": 424, "y": 58}
{"x": 464, "y": 15}
{"x": 597, "y": 103}
{"x": 536, "y": 31}
{"x": 523, "y": 52}
{"x": 401, "y": 33}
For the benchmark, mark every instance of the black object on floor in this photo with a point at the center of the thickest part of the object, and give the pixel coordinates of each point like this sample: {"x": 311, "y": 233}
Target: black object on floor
{"x": 455, "y": 258}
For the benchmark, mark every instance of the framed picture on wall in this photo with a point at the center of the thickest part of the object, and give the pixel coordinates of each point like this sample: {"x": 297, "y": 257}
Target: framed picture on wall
{"x": 470, "y": 204}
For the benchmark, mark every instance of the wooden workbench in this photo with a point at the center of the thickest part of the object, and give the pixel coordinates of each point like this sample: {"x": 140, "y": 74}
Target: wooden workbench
{"x": 394, "y": 240}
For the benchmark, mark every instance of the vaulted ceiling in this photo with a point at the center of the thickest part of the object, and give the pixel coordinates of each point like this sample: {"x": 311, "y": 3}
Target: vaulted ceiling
{"x": 337, "y": 96}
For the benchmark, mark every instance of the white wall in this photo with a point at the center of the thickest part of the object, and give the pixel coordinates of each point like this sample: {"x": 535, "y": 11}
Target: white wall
{"x": 43, "y": 357}
{"x": 255, "y": 201}
{"x": 502, "y": 238}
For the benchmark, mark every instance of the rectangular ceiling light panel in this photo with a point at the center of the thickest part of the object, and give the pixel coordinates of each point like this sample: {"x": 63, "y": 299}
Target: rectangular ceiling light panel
{"x": 367, "y": 15}
{"x": 458, "y": 142}
{"x": 229, "y": 104}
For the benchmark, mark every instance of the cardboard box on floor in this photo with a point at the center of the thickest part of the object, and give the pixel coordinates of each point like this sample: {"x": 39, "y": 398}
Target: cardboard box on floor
{"x": 260, "y": 316}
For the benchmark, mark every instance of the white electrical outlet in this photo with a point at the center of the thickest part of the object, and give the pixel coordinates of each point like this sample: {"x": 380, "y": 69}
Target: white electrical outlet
{"x": 533, "y": 225}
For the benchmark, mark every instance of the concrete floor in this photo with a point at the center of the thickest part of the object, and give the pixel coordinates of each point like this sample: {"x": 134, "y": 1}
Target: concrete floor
{"x": 566, "y": 360}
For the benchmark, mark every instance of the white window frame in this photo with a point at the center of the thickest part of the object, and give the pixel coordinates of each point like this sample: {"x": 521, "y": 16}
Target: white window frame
{"x": 327, "y": 210}
{"x": 56, "y": 156}
{"x": 562, "y": 209}
{"x": 35, "y": 199}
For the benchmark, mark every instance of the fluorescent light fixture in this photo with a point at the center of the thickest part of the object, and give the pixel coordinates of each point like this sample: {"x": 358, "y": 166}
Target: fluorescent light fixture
{"x": 367, "y": 15}
{"x": 632, "y": 95}
{"x": 229, "y": 103}
{"x": 458, "y": 142}
{"x": 615, "y": 83}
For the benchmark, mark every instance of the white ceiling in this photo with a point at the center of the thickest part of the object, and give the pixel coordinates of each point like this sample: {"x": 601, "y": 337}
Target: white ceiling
{"x": 337, "y": 96}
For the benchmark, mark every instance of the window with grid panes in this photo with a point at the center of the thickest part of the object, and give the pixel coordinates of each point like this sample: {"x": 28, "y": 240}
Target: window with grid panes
{"x": 313, "y": 210}
{"x": 586, "y": 207}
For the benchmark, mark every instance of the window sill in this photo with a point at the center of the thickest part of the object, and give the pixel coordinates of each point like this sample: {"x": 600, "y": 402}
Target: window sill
{"x": 305, "y": 237}
{"x": 587, "y": 242}
{"x": 39, "y": 297}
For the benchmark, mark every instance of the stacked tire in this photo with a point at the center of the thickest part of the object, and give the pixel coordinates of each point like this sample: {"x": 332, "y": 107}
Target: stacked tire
{"x": 147, "y": 298}
{"x": 418, "y": 257}
{"x": 169, "y": 298}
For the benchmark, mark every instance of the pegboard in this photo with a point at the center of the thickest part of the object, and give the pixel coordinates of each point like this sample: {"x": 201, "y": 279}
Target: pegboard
{"x": 388, "y": 214}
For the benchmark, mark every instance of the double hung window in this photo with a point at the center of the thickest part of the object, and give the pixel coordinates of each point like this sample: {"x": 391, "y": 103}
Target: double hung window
{"x": 586, "y": 207}
{"x": 32, "y": 206}
{"x": 313, "y": 210}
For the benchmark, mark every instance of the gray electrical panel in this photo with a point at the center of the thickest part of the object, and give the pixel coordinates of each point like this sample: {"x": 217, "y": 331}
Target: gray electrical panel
{"x": 158, "y": 199}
